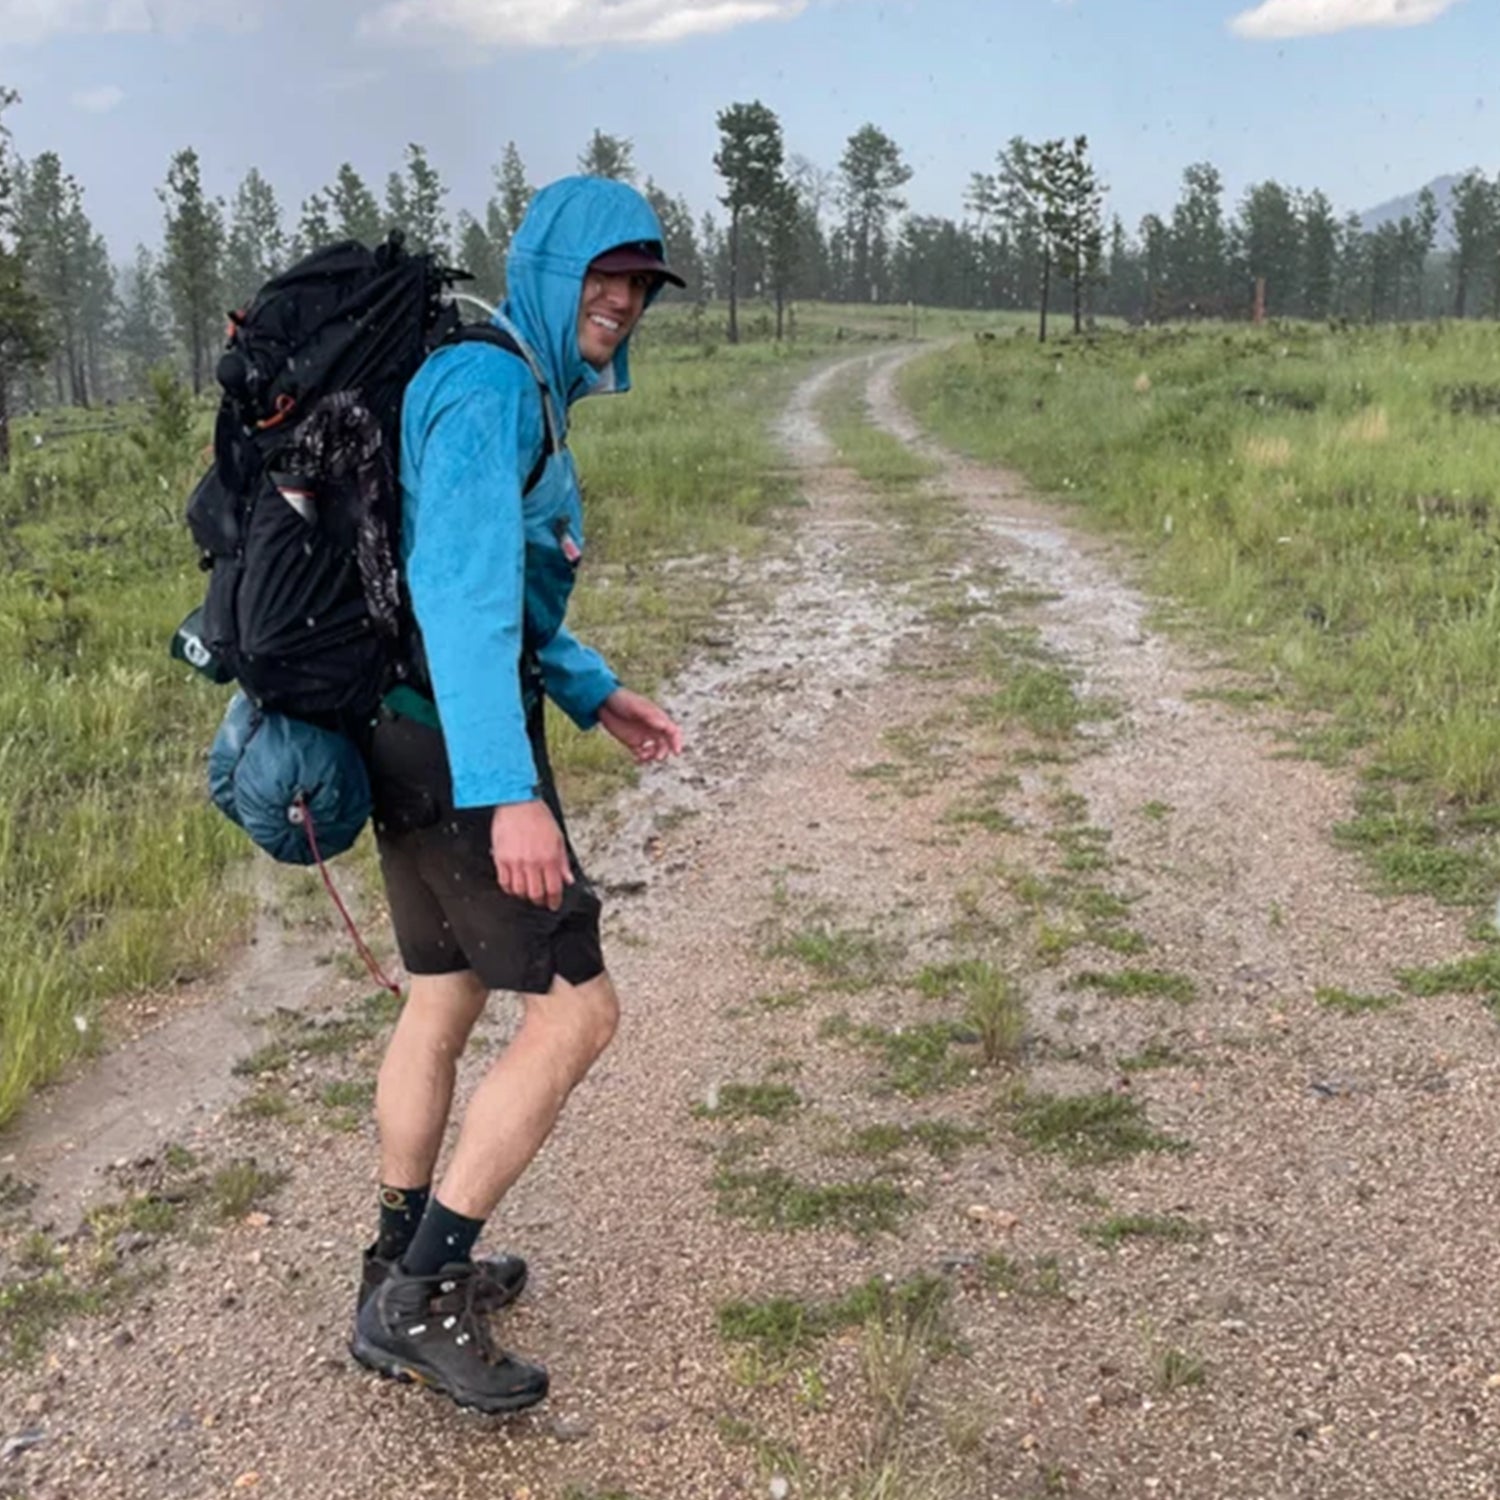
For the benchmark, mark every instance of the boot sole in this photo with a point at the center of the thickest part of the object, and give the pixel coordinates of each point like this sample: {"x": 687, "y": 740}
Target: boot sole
{"x": 405, "y": 1372}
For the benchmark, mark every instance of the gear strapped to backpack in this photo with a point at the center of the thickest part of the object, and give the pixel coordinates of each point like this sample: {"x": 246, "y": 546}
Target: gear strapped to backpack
{"x": 298, "y": 523}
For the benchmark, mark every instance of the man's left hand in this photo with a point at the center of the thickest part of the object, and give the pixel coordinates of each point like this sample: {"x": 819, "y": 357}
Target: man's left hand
{"x": 639, "y": 725}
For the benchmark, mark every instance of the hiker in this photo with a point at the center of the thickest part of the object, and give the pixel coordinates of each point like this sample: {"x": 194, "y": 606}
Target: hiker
{"x": 485, "y": 890}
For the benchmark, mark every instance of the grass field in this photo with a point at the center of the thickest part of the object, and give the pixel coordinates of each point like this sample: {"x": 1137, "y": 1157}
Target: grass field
{"x": 1326, "y": 503}
{"x": 116, "y": 876}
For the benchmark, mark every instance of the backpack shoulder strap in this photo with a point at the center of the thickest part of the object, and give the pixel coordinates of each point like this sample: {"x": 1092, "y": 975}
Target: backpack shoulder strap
{"x": 503, "y": 338}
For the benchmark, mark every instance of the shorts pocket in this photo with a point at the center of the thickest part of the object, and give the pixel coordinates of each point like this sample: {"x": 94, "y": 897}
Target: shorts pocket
{"x": 409, "y": 782}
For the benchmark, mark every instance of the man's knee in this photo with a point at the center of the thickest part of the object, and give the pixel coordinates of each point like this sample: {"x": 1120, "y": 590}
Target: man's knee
{"x": 579, "y": 1019}
{"x": 438, "y": 1014}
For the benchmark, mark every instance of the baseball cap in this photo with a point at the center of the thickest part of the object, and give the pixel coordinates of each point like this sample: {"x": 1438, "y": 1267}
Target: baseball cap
{"x": 639, "y": 255}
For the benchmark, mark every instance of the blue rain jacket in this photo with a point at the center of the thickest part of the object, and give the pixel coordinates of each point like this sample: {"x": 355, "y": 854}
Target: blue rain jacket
{"x": 487, "y": 570}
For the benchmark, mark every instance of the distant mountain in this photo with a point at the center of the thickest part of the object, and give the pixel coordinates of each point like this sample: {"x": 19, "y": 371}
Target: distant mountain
{"x": 1397, "y": 208}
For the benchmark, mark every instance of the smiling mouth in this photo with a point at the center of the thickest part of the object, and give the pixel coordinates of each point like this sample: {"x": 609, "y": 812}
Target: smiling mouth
{"x": 599, "y": 321}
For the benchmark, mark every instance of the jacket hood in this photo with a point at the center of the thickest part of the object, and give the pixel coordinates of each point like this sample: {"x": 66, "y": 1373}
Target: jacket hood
{"x": 569, "y": 223}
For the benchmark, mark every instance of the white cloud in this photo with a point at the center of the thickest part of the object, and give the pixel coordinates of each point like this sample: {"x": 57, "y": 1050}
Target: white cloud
{"x": 1286, "y": 18}
{"x": 567, "y": 23}
{"x": 23, "y": 21}
{"x": 99, "y": 101}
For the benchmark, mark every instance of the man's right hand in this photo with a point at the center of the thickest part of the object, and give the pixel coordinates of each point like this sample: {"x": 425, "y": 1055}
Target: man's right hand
{"x": 531, "y": 856}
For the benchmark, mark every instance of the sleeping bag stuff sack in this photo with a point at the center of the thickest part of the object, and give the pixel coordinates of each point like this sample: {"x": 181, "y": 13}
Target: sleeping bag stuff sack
{"x": 275, "y": 776}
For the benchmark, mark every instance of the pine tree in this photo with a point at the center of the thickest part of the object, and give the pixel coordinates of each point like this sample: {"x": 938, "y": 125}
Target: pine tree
{"x": 1028, "y": 176}
{"x": 1155, "y": 256}
{"x": 430, "y": 229}
{"x": 352, "y": 207}
{"x": 1075, "y": 218}
{"x": 1320, "y": 252}
{"x": 98, "y": 306}
{"x": 478, "y": 256}
{"x": 608, "y": 156}
{"x": 314, "y": 226}
{"x": 678, "y": 238}
{"x": 24, "y": 340}
{"x": 1266, "y": 242}
{"x": 1198, "y": 244}
{"x": 513, "y": 195}
{"x": 55, "y": 238}
{"x": 144, "y": 339}
{"x": 873, "y": 174}
{"x": 749, "y": 159}
{"x": 193, "y": 261}
{"x": 256, "y": 248}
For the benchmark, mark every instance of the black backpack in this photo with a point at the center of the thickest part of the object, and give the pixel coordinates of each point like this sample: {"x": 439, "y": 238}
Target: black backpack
{"x": 298, "y": 519}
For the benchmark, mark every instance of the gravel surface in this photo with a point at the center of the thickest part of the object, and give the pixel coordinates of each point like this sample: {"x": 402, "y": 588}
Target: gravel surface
{"x": 1292, "y": 1297}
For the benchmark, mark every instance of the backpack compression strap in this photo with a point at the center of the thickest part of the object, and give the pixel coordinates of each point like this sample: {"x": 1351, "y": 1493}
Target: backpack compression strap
{"x": 500, "y": 338}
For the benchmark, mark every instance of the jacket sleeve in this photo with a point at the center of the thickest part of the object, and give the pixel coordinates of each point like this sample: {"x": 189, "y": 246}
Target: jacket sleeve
{"x": 576, "y": 677}
{"x": 466, "y": 451}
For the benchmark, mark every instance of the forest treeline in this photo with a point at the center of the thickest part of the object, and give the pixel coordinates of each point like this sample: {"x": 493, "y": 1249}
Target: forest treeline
{"x": 78, "y": 327}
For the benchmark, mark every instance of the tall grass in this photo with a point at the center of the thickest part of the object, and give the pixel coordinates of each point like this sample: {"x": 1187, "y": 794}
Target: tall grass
{"x": 1326, "y": 501}
{"x": 115, "y": 875}
{"x": 112, "y": 873}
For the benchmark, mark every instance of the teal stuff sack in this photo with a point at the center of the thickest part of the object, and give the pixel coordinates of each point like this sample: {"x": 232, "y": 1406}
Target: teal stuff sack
{"x": 275, "y": 776}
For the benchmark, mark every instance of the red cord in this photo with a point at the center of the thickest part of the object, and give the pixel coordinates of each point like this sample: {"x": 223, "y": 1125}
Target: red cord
{"x": 376, "y": 972}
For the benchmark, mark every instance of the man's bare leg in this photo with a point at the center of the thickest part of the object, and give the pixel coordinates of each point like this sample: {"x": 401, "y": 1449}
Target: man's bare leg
{"x": 415, "y": 1090}
{"x": 517, "y": 1103}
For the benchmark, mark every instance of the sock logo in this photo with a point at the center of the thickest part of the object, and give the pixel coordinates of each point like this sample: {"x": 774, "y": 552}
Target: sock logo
{"x": 393, "y": 1198}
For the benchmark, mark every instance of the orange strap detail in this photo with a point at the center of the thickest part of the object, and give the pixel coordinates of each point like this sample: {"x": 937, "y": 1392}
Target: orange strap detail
{"x": 285, "y": 406}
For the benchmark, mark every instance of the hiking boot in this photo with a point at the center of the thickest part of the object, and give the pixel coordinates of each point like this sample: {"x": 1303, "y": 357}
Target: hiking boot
{"x": 427, "y": 1329}
{"x": 501, "y": 1279}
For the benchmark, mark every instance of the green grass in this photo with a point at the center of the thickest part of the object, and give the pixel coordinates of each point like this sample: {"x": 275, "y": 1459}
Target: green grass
{"x": 102, "y": 736}
{"x": 348, "y": 1093}
{"x": 1176, "y": 1369}
{"x": 1033, "y": 690}
{"x": 144, "y": 1213}
{"x": 1118, "y": 1228}
{"x": 1154, "y": 1054}
{"x": 1089, "y": 1128}
{"x": 751, "y": 1101}
{"x": 779, "y": 1000}
{"x": 1131, "y": 983}
{"x": 1346, "y": 1002}
{"x": 918, "y": 1059}
{"x": 772, "y": 1199}
{"x": 1040, "y": 1277}
{"x": 876, "y": 456}
{"x": 1324, "y": 509}
{"x": 993, "y": 1004}
{"x": 940, "y": 1138}
{"x": 31, "y": 1308}
{"x": 1478, "y": 974}
{"x": 841, "y": 956}
{"x": 781, "y": 1327}
{"x": 237, "y": 1188}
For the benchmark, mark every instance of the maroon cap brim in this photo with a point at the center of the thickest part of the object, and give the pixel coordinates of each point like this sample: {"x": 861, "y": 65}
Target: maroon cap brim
{"x": 624, "y": 259}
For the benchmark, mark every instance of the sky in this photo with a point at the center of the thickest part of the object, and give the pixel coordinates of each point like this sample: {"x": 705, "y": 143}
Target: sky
{"x": 1365, "y": 99}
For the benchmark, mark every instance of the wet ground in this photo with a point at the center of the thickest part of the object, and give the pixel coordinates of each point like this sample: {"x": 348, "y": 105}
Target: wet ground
{"x": 1279, "y": 1285}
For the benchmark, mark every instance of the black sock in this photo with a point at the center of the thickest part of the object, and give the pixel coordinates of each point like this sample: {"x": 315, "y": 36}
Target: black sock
{"x": 401, "y": 1210}
{"x": 441, "y": 1238}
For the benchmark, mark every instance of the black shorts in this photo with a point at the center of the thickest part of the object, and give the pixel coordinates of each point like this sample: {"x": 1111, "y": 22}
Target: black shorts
{"x": 446, "y": 904}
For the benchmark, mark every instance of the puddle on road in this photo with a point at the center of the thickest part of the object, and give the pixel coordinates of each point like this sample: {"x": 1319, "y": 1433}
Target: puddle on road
{"x": 808, "y": 629}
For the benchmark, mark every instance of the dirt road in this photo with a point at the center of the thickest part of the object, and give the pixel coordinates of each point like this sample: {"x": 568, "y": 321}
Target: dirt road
{"x": 821, "y": 1224}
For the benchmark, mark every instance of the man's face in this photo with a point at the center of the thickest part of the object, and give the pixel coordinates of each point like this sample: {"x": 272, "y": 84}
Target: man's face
{"x": 612, "y": 304}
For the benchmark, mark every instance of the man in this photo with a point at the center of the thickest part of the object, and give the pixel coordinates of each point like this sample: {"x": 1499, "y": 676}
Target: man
{"x": 485, "y": 890}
